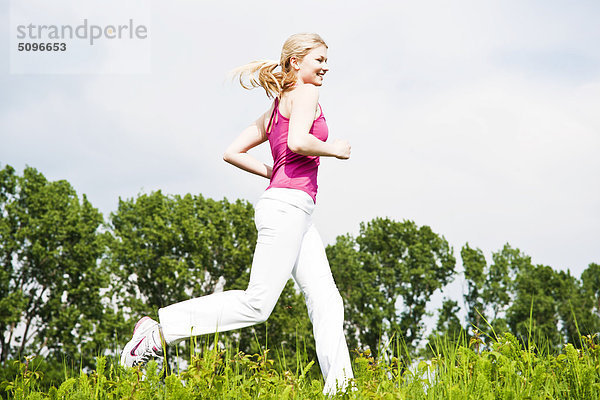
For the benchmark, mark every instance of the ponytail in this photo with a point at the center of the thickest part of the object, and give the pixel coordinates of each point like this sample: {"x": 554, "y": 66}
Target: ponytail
{"x": 262, "y": 74}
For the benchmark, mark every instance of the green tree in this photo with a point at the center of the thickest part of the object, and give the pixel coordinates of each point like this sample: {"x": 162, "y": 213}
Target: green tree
{"x": 575, "y": 308}
{"x": 589, "y": 322}
{"x": 498, "y": 288}
{"x": 448, "y": 322}
{"x": 356, "y": 275}
{"x": 475, "y": 268}
{"x": 448, "y": 329}
{"x": 388, "y": 262}
{"x": 51, "y": 280}
{"x": 561, "y": 306}
{"x": 489, "y": 287}
{"x": 12, "y": 298}
{"x": 590, "y": 281}
{"x": 535, "y": 290}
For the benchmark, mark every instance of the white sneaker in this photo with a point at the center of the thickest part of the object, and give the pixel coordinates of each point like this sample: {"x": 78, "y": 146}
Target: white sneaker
{"x": 144, "y": 345}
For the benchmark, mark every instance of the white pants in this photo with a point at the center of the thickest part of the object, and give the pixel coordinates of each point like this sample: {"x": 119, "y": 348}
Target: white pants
{"x": 288, "y": 245}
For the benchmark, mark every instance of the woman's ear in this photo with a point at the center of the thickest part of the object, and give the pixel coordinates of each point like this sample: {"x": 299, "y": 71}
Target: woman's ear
{"x": 294, "y": 63}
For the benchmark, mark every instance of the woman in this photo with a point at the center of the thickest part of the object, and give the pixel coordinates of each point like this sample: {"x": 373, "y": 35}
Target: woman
{"x": 288, "y": 243}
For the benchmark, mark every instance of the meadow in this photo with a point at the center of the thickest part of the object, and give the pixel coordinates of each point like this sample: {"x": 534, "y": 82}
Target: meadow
{"x": 503, "y": 369}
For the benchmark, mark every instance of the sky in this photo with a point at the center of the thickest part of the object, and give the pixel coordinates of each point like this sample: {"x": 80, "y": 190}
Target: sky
{"x": 478, "y": 119}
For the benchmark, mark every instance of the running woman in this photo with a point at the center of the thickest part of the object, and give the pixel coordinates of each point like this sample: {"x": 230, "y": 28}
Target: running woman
{"x": 288, "y": 243}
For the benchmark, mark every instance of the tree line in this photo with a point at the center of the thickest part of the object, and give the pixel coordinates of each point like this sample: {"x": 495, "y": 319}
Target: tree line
{"x": 73, "y": 283}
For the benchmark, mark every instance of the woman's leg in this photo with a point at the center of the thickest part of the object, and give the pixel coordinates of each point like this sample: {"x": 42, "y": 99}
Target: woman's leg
{"x": 281, "y": 227}
{"x": 325, "y": 309}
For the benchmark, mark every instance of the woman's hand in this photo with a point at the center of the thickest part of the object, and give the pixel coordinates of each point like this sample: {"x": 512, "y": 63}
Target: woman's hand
{"x": 341, "y": 149}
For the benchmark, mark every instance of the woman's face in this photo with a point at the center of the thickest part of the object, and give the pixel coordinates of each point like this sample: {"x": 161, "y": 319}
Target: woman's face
{"x": 312, "y": 67}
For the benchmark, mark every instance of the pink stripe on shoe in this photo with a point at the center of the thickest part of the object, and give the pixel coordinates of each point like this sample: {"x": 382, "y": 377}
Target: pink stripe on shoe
{"x": 141, "y": 321}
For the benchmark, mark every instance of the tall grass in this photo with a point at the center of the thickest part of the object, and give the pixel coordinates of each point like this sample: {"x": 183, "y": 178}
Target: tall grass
{"x": 505, "y": 368}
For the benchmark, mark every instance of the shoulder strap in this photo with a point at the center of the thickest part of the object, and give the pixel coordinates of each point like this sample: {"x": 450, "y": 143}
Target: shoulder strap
{"x": 275, "y": 103}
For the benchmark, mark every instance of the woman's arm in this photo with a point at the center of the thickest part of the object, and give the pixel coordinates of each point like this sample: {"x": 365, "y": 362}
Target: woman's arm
{"x": 236, "y": 154}
{"x": 302, "y": 115}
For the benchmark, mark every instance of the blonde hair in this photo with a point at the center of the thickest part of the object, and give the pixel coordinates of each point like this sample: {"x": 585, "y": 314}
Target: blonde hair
{"x": 262, "y": 73}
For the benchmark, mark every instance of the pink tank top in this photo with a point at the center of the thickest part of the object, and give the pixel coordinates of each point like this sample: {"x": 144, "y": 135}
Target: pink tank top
{"x": 292, "y": 170}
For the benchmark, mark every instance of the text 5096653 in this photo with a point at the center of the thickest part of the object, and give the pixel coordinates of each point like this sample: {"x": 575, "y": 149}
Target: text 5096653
{"x": 50, "y": 46}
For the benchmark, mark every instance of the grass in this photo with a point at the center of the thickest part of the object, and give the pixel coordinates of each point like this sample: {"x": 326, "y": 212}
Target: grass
{"x": 459, "y": 369}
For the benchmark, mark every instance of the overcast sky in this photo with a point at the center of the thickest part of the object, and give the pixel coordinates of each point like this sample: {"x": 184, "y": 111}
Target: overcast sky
{"x": 479, "y": 119}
